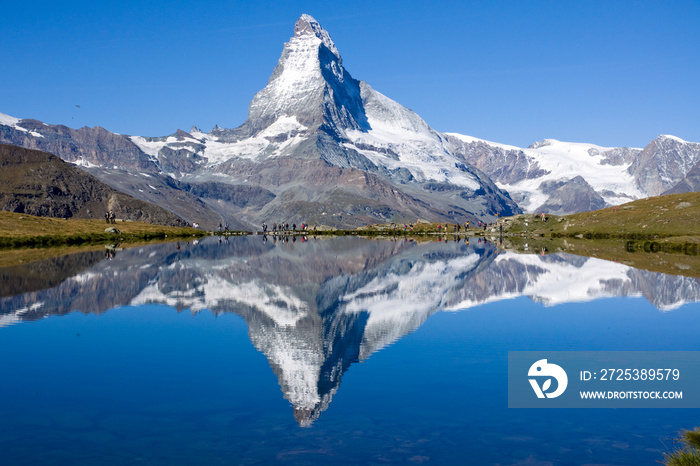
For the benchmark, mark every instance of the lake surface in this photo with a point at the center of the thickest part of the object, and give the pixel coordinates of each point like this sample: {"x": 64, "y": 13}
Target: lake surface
{"x": 326, "y": 351}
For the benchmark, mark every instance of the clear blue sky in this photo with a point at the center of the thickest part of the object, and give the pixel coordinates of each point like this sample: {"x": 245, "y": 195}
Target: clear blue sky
{"x": 613, "y": 73}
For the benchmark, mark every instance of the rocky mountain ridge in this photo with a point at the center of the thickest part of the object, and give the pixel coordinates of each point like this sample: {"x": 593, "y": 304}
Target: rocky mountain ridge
{"x": 613, "y": 175}
{"x": 38, "y": 183}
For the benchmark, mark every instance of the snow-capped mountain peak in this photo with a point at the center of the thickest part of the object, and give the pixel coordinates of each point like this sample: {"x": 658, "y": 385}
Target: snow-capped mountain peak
{"x": 672, "y": 137}
{"x": 306, "y": 25}
{"x": 308, "y": 83}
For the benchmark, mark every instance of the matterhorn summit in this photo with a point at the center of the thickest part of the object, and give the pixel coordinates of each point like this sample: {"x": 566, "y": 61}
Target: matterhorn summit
{"x": 308, "y": 88}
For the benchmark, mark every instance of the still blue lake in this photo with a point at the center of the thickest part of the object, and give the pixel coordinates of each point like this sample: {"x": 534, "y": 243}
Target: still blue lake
{"x": 325, "y": 351}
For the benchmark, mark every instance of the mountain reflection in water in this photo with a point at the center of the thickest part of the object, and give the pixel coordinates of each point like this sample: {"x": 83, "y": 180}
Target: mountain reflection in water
{"x": 315, "y": 307}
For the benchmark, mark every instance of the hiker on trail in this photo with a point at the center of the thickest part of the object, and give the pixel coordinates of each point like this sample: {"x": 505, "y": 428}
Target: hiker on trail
{"x": 544, "y": 217}
{"x": 294, "y": 227}
{"x": 219, "y": 227}
{"x": 467, "y": 226}
{"x": 106, "y": 217}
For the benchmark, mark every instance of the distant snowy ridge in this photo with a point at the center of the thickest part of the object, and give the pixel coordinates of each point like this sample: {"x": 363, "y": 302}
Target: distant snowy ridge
{"x": 533, "y": 175}
{"x": 13, "y": 122}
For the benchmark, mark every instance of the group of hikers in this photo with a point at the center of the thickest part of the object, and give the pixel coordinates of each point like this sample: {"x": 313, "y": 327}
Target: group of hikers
{"x": 456, "y": 227}
{"x": 110, "y": 217}
{"x": 284, "y": 227}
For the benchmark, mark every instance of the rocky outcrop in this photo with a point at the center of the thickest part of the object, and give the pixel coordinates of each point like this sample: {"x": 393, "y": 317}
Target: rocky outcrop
{"x": 39, "y": 183}
{"x": 84, "y": 146}
{"x": 663, "y": 163}
{"x": 502, "y": 165}
{"x": 691, "y": 182}
{"x": 574, "y": 195}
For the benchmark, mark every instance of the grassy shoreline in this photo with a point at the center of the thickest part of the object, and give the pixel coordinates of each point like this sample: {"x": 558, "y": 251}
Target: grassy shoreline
{"x": 660, "y": 233}
{"x": 27, "y": 231}
{"x": 671, "y": 216}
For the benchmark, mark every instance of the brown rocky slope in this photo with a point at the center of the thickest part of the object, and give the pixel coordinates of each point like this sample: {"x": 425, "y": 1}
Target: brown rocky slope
{"x": 38, "y": 183}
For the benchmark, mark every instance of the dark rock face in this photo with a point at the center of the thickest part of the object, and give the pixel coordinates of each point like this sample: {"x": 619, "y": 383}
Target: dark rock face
{"x": 87, "y": 146}
{"x": 619, "y": 156}
{"x": 663, "y": 163}
{"x": 179, "y": 160}
{"x": 239, "y": 195}
{"x": 38, "y": 183}
{"x": 575, "y": 195}
{"x": 501, "y": 165}
{"x": 690, "y": 183}
{"x": 163, "y": 191}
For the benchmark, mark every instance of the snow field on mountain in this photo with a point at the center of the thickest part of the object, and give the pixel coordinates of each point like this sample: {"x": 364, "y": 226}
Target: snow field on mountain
{"x": 564, "y": 161}
{"x": 218, "y": 152}
{"x": 7, "y": 120}
{"x": 150, "y": 148}
{"x": 421, "y": 150}
{"x": 471, "y": 139}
